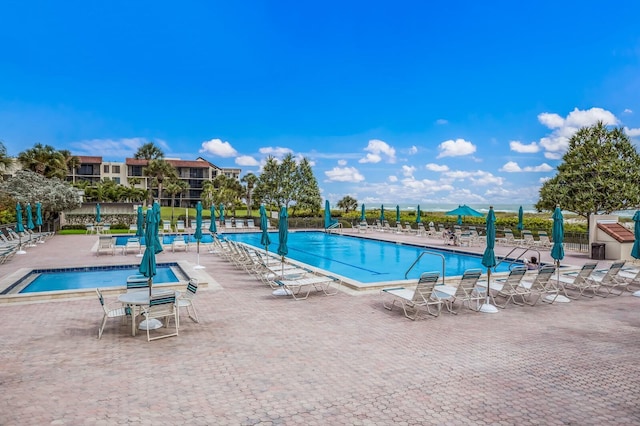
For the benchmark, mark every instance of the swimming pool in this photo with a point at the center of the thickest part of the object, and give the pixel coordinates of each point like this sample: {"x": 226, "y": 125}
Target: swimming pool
{"x": 121, "y": 240}
{"x": 40, "y": 280}
{"x": 366, "y": 260}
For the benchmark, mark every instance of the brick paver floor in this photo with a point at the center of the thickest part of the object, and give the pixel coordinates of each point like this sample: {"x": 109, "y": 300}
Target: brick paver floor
{"x": 259, "y": 359}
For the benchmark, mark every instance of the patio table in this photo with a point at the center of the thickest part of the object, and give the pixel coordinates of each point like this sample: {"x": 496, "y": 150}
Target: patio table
{"x": 136, "y": 299}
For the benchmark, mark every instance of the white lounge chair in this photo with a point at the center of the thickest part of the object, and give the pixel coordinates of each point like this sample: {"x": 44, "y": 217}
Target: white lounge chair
{"x": 180, "y": 226}
{"x": 106, "y": 245}
{"x": 412, "y": 300}
{"x": 466, "y": 292}
{"x": 510, "y": 288}
{"x": 577, "y": 281}
{"x": 179, "y": 243}
{"x": 317, "y": 282}
{"x": 132, "y": 245}
{"x": 609, "y": 281}
{"x": 541, "y": 285}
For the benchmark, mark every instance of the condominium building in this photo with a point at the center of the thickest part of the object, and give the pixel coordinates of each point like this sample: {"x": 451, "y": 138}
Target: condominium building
{"x": 193, "y": 172}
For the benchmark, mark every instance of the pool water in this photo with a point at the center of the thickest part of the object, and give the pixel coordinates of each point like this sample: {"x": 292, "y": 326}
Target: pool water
{"x": 121, "y": 240}
{"x": 363, "y": 259}
{"x": 73, "y": 280}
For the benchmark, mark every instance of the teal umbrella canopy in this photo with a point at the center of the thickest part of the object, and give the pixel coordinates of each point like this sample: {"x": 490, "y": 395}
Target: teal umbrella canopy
{"x": 30, "y": 224}
{"x": 283, "y": 233}
{"x": 140, "y": 223}
{"x": 397, "y": 213}
{"x": 264, "y": 227}
{"x": 520, "y": 219}
{"x": 327, "y": 214}
{"x": 459, "y": 221}
{"x": 212, "y": 227}
{"x": 221, "y": 213}
{"x": 557, "y": 250}
{"x": 98, "y": 218}
{"x": 38, "y": 214}
{"x": 382, "y": 213}
{"x": 489, "y": 257}
{"x": 198, "y": 232}
{"x": 363, "y": 216}
{"x": 463, "y": 210}
{"x": 158, "y": 216}
{"x": 418, "y": 215}
{"x": 19, "y": 225}
{"x": 148, "y": 264}
{"x": 635, "y": 250}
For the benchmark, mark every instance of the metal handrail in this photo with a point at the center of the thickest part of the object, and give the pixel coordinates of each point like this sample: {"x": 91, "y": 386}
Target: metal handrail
{"x": 512, "y": 261}
{"x": 334, "y": 226}
{"x": 418, "y": 259}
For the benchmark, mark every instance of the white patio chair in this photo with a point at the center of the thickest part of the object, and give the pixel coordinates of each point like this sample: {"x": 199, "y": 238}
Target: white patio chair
{"x": 577, "y": 281}
{"x": 609, "y": 281}
{"x": 132, "y": 245}
{"x": 412, "y": 300}
{"x": 186, "y": 301}
{"x": 106, "y": 245}
{"x": 180, "y": 226}
{"x": 111, "y": 311}
{"x": 466, "y": 292}
{"x": 541, "y": 285}
{"x": 161, "y": 306}
{"x": 510, "y": 288}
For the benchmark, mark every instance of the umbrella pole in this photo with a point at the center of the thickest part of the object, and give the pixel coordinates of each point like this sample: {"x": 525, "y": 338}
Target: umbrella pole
{"x": 198, "y": 266}
{"x": 487, "y": 307}
{"x": 558, "y": 297}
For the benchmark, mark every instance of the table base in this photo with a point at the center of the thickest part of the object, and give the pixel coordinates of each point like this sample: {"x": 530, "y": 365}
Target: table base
{"x": 152, "y": 324}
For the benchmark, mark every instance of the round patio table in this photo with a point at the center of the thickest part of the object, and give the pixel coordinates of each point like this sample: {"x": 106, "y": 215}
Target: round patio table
{"x": 138, "y": 298}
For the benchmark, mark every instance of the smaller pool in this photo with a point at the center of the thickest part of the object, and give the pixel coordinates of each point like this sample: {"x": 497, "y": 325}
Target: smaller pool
{"x": 121, "y": 240}
{"x": 39, "y": 280}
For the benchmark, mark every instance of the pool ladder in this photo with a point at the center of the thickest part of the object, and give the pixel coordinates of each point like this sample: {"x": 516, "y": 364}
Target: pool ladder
{"x": 334, "y": 226}
{"x": 431, "y": 253}
{"x": 514, "y": 261}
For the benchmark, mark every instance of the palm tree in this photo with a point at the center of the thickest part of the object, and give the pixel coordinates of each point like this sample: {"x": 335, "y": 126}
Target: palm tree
{"x": 348, "y": 203}
{"x": 44, "y": 160}
{"x": 160, "y": 170}
{"x": 251, "y": 180}
{"x": 71, "y": 163}
{"x": 149, "y": 151}
{"x": 5, "y": 160}
{"x": 174, "y": 187}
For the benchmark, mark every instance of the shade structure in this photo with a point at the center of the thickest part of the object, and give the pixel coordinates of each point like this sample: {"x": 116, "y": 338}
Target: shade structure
{"x": 221, "y": 213}
{"x": 30, "y": 224}
{"x": 520, "y": 219}
{"x": 283, "y": 250}
{"x": 264, "y": 227}
{"x": 489, "y": 258}
{"x": 397, "y": 214}
{"x": 382, "y": 213}
{"x": 98, "y": 218}
{"x": 464, "y": 210}
{"x": 212, "y": 227}
{"x": 635, "y": 250}
{"x": 197, "y": 235}
{"x": 140, "y": 223}
{"x": 148, "y": 264}
{"x": 418, "y": 215}
{"x": 459, "y": 221}
{"x": 327, "y": 214}
{"x": 363, "y": 216}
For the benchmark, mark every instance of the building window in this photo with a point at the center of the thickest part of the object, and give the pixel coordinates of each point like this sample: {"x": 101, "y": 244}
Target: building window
{"x": 105, "y": 168}
{"x": 116, "y": 180}
{"x": 116, "y": 169}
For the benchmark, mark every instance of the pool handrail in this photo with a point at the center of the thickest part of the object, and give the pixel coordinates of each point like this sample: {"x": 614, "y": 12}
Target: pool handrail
{"x": 432, "y": 253}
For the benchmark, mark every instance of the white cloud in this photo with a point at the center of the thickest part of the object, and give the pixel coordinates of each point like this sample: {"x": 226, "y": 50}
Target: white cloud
{"x": 246, "y": 160}
{"x": 437, "y": 167}
{"x": 455, "y": 148}
{"x": 477, "y": 177}
{"x": 442, "y": 121}
{"x": 518, "y": 146}
{"x": 513, "y": 167}
{"x": 344, "y": 174}
{"x": 376, "y": 150}
{"x": 557, "y": 143}
{"x": 277, "y": 152}
{"x": 342, "y": 163}
{"x": 413, "y": 150}
{"x": 408, "y": 171}
{"x": 393, "y": 178}
{"x": 627, "y": 111}
{"x": 114, "y": 148}
{"x": 219, "y": 148}
{"x": 632, "y": 133}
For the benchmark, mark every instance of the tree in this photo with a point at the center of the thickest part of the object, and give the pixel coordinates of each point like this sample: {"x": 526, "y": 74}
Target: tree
{"x": 5, "y": 160}
{"x": 308, "y": 193}
{"x": 348, "y": 203}
{"x": 149, "y": 151}
{"x": 250, "y": 179}
{"x": 174, "y": 187}
{"x": 44, "y": 160}
{"x": 159, "y": 170}
{"x": 600, "y": 173}
{"x": 267, "y": 188}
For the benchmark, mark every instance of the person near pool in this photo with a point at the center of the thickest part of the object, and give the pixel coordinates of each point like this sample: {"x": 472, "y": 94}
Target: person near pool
{"x": 532, "y": 263}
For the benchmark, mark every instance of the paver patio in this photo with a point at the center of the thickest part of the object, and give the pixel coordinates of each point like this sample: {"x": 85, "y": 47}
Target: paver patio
{"x": 258, "y": 359}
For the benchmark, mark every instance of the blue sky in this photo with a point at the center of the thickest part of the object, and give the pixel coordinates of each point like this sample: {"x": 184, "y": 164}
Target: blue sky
{"x": 393, "y": 102}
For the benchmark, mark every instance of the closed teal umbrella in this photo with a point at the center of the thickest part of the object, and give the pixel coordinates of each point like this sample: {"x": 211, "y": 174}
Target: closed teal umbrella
{"x": 221, "y": 213}
{"x": 140, "y": 223}
{"x": 212, "y": 227}
{"x": 19, "y": 225}
{"x": 198, "y": 233}
{"x": 39, "y": 217}
{"x": 363, "y": 216}
{"x": 397, "y": 214}
{"x": 30, "y": 224}
{"x": 382, "y": 213}
{"x": 283, "y": 233}
{"x": 635, "y": 250}
{"x": 327, "y": 214}
{"x": 418, "y": 215}
{"x": 264, "y": 226}
{"x": 557, "y": 250}
{"x": 98, "y": 218}
{"x": 489, "y": 256}
{"x": 148, "y": 264}
{"x": 520, "y": 219}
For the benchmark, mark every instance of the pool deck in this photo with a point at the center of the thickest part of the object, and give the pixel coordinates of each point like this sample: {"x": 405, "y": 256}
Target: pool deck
{"x": 256, "y": 359}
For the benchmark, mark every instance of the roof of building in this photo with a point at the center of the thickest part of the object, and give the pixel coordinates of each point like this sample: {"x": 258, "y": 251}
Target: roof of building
{"x": 617, "y": 232}
{"x": 86, "y": 159}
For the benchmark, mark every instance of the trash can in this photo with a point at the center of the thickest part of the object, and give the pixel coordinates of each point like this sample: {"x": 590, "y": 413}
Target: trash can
{"x": 597, "y": 251}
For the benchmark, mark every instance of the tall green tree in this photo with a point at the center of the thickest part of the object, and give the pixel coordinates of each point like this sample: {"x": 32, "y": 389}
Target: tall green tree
{"x": 149, "y": 151}
{"x": 599, "y": 174}
{"x": 347, "y": 203}
{"x": 250, "y": 180}
{"x": 307, "y": 190}
{"x": 5, "y": 160}
{"x": 55, "y": 195}
{"x": 159, "y": 170}
{"x": 175, "y": 187}
{"x": 44, "y": 160}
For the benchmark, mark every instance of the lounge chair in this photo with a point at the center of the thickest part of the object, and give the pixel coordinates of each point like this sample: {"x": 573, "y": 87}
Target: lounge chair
{"x": 186, "y": 301}
{"x": 319, "y": 283}
{"x": 239, "y": 224}
{"x": 362, "y": 227}
{"x": 465, "y": 292}
{"x": 577, "y": 281}
{"x": 166, "y": 226}
{"x": 510, "y": 288}
{"x": 111, "y": 311}
{"x": 610, "y": 281}
{"x": 251, "y": 225}
{"x": 106, "y": 245}
{"x": 179, "y": 243}
{"x": 132, "y": 245}
{"x": 161, "y": 306}
{"x": 541, "y": 285}
{"x": 527, "y": 238}
{"x": 180, "y": 226}
{"x": 228, "y": 224}
{"x": 508, "y": 239}
{"x": 133, "y": 228}
{"x": 543, "y": 240}
{"x": 412, "y": 300}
